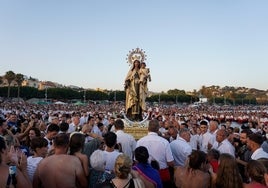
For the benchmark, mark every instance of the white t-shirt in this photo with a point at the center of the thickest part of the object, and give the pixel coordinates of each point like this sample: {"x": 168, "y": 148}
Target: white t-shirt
{"x": 110, "y": 158}
{"x": 158, "y": 148}
{"x": 32, "y": 163}
{"x": 259, "y": 153}
{"x": 127, "y": 142}
{"x": 180, "y": 149}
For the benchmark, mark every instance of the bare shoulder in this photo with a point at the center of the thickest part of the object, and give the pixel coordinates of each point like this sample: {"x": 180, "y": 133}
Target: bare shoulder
{"x": 59, "y": 159}
{"x": 4, "y": 175}
{"x": 75, "y": 161}
{"x": 202, "y": 176}
{"x": 81, "y": 156}
{"x": 179, "y": 169}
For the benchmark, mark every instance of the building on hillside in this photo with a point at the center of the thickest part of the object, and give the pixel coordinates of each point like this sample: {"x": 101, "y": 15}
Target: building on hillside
{"x": 46, "y": 84}
{"x": 30, "y": 82}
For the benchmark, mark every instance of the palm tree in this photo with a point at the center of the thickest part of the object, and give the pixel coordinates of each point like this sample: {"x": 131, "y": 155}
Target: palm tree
{"x": 1, "y": 80}
{"x": 9, "y": 76}
{"x": 19, "y": 79}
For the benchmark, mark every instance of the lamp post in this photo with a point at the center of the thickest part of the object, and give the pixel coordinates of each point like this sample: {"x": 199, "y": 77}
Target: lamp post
{"x": 46, "y": 94}
{"x": 109, "y": 93}
{"x": 159, "y": 99}
{"x": 114, "y": 96}
{"x": 84, "y": 96}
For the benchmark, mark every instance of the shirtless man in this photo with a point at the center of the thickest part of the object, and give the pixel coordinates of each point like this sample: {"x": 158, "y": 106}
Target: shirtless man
{"x": 60, "y": 170}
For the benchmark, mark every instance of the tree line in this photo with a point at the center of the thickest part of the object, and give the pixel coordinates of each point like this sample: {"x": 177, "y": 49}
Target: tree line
{"x": 67, "y": 94}
{"x": 214, "y": 94}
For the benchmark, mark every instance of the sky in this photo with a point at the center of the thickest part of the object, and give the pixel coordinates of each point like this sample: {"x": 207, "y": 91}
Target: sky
{"x": 189, "y": 44}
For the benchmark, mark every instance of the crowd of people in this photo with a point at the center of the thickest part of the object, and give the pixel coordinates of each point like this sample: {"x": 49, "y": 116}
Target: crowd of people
{"x": 86, "y": 146}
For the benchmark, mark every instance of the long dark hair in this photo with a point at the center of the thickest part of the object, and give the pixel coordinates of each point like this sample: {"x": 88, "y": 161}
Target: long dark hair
{"x": 76, "y": 143}
{"x": 133, "y": 67}
{"x": 256, "y": 171}
{"x": 228, "y": 173}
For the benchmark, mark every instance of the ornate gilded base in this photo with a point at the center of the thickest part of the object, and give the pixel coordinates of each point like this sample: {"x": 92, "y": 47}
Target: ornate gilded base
{"x": 136, "y": 131}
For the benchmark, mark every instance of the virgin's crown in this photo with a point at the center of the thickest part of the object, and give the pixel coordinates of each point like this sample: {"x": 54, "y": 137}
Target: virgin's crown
{"x": 136, "y": 54}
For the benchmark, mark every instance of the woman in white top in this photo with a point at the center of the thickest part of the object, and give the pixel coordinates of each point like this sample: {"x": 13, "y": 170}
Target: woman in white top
{"x": 39, "y": 146}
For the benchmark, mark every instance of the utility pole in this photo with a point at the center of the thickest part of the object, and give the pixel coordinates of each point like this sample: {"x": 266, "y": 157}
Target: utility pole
{"x": 46, "y": 94}
{"x": 84, "y": 96}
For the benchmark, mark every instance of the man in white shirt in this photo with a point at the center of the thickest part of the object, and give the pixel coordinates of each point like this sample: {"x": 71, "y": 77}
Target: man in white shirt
{"x": 194, "y": 137}
{"x": 213, "y": 128}
{"x": 162, "y": 128}
{"x": 205, "y": 136}
{"x": 83, "y": 118}
{"x": 110, "y": 126}
{"x": 74, "y": 126}
{"x": 52, "y": 132}
{"x": 181, "y": 148}
{"x": 96, "y": 129}
{"x": 254, "y": 142}
{"x": 127, "y": 141}
{"x": 223, "y": 145}
{"x": 104, "y": 119}
{"x": 159, "y": 150}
